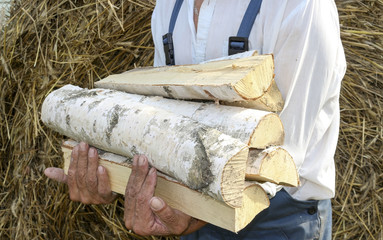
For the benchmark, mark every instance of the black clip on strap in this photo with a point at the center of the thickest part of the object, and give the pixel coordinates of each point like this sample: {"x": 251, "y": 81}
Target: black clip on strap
{"x": 240, "y": 43}
{"x": 167, "y": 39}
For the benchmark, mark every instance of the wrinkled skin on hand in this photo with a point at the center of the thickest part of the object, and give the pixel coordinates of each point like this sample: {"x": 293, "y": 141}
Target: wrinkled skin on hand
{"x": 87, "y": 181}
{"x": 148, "y": 215}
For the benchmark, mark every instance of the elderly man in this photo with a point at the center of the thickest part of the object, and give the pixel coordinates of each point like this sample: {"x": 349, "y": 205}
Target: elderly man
{"x": 303, "y": 36}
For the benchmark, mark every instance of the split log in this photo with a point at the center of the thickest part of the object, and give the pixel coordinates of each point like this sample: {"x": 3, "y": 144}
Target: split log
{"x": 246, "y": 54}
{"x": 274, "y": 165}
{"x": 258, "y": 129}
{"x": 200, "y": 157}
{"x": 227, "y": 80}
{"x": 178, "y": 196}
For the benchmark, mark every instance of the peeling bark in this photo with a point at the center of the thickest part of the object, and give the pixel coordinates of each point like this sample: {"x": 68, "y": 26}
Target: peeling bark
{"x": 258, "y": 129}
{"x": 196, "y": 155}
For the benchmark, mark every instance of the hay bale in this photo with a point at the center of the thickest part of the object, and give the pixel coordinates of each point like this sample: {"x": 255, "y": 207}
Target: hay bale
{"x": 358, "y": 205}
{"x": 47, "y": 44}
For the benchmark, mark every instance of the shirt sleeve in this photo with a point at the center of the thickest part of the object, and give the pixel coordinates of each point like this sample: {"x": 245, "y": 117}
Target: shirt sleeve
{"x": 309, "y": 65}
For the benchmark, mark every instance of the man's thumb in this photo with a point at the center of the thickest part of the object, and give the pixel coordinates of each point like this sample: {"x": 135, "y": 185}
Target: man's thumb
{"x": 56, "y": 174}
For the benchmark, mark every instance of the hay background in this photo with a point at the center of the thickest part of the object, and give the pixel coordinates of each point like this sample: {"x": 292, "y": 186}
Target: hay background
{"x": 47, "y": 44}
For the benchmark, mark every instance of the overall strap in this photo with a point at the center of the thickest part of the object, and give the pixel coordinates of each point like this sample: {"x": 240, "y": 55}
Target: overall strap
{"x": 167, "y": 39}
{"x": 240, "y": 43}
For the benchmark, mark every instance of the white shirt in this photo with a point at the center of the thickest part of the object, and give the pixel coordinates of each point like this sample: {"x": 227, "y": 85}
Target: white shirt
{"x": 309, "y": 59}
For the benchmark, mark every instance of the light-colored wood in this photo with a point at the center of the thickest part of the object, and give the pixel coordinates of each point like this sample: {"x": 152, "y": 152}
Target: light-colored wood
{"x": 196, "y": 155}
{"x": 246, "y": 54}
{"x": 271, "y": 101}
{"x": 178, "y": 196}
{"x": 274, "y": 165}
{"x": 227, "y": 80}
{"x": 258, "y": 129}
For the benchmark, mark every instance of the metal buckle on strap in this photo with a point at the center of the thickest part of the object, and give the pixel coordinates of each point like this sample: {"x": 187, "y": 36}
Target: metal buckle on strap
{"x": 167, "y": 40}
{"x": 238, "y": 45}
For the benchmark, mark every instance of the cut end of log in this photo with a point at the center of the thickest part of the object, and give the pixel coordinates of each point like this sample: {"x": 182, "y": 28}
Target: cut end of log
{"x": 269, "y": 132}
{"x": 271, "y": 101}
{"x": 254, "y": 198}
{"x": 233, "y": 177}
{"x": 258, "y": 79}
{"x": 272, "y": 165}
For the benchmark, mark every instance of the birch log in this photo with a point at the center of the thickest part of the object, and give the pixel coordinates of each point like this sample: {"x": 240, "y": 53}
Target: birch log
{"x": 178, "y": 196}
{"x": 258, "y": 129}
{"x": 226, "y": 80}
{"x": 198, "y": 156}
{"x": 274, "y": 165}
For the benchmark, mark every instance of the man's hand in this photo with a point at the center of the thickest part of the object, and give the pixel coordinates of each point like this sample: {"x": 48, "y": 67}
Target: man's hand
{"x": 87, "y": 181}
{"x": 148, "y": 215}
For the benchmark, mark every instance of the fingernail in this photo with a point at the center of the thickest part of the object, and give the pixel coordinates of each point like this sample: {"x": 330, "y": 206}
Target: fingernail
{"x": 92, "y": 152}
{"x": 135, "y": 159}
{"x": 152, "y": 170}
{"x": 100, "y": 169}
{"x": 75, "y": 150}
{"x": 47, "y": 171}
{"x": 83, "y": 146}
{"x": 141, "y": 160}
{"x": 156, "y": 204}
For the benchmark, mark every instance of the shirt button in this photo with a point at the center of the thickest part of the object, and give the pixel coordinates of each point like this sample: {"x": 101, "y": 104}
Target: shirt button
{"x": 312, "y": 210}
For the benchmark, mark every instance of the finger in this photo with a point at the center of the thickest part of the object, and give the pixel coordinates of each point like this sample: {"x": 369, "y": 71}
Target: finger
{"x": 82, "y": 167}
{"x": 91, "y": 175}
{"x": 139, "y": 171}
{"x": 130, "y": 202}
{"x": 173, "y": 221}
{"x": 104, "y": 188}
{"x": 144, "y": 217}
{"x": 72, "y": 185}
{"x": 56, "y": 174}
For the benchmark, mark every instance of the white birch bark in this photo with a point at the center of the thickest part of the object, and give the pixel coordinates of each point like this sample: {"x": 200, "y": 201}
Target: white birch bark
{"x": 198, "y": 156}
{"x": 257, "y": 129}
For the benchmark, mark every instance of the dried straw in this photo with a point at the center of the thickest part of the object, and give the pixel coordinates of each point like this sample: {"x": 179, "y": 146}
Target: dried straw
{"x": 358, "y": 205}
{"x": 47, "y": 44}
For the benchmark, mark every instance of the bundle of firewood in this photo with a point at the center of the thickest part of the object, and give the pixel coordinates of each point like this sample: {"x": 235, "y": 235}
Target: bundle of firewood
{"x": 211, "y": 155}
